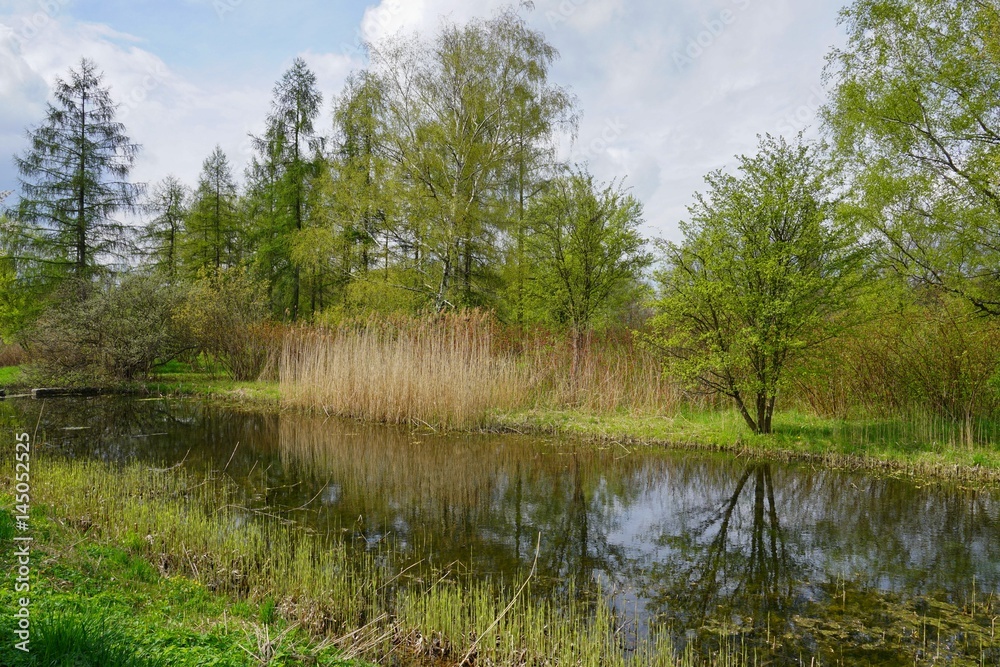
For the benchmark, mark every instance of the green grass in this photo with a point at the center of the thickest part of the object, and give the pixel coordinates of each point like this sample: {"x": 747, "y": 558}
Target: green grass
{"x": 178, "y": 379}
{"x": 10, "y": 376}
{"x": 922, "y": 445}
{"x": 170, "y": 562}
{"x": 102, "y": 605}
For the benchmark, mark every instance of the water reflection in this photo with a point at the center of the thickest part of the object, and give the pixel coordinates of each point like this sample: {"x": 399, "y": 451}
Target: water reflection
{"x": 688, "y": 541}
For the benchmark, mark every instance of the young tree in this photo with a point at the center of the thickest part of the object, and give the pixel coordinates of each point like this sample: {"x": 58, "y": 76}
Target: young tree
{"x": 585, "y": 249}
{"x": 915, "y": 112}
{"x": 763, "y": 273}
{"x": 75, "y": 178}
{"x": 212, "y": 230}
{"x": 169, "y": 204}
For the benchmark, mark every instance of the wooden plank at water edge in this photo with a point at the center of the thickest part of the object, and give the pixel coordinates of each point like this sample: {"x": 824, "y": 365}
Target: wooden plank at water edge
{"x": 64, "y": 393}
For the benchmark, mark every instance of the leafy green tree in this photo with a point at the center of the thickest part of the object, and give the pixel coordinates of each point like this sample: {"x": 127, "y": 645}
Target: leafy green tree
{"x": 169, "y": 203}
{"x": 212, "y": 230}
{"x": 20, "y": 294}
{"x": 361, "y": 198}
{"x": 458, "y": 126}
{"x": 915, "y": 112}
{"x": 75, "y": 179}
{"x": 765, "y": 271}
{"x": 289, "y": 155}
{"x": 585, "y": 249}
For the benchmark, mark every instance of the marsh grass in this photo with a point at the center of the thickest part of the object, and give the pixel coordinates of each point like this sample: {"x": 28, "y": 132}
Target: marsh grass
{"x": 442, "y": 371}
{"x": 200, "y": 528}
{"x": 456, "y": 371}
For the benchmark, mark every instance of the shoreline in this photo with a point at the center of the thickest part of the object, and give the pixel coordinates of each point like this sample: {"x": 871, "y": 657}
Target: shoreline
{"x": 795, "y": 439}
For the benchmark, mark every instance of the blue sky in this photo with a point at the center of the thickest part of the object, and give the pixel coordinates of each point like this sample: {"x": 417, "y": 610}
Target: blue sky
{"x": 669, "y": 89}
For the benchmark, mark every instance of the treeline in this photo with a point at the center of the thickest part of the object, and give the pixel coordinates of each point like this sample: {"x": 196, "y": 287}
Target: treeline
{"x": 436, "y": 188}
{"x": 854, "y": 276}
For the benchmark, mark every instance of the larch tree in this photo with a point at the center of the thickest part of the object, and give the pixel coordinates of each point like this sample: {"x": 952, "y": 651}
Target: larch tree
{"x": 288, "y": 160}
{"x": 75, "y": 179}
{"x": 168, "y": 204}
{"x": 212, "y": 239}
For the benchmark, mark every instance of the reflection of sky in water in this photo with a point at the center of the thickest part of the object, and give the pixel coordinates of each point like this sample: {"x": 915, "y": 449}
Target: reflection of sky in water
{"x": 657, "y": 530}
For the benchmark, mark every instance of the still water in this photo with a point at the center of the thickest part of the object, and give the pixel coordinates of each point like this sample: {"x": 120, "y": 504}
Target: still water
{"x": 690, "y": 542}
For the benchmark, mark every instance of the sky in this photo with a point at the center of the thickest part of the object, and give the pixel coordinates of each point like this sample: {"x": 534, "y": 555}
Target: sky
{"x": 668, "y": 90}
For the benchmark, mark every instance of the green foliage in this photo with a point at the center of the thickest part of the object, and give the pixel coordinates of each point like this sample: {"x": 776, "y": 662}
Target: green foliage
{"x": 466, "y": 114}
{"x": 83, "y": 639}
{"x": 287, "y": 161}
{"x": 106, "y": 332}
{"x": 212, "y": 236}
{"x": 915, "y": 114}
{"x": 585, "y": 250}
{"x": 20, "y": 285}
{"x": 763, "y": 274}
{"x": 76, "y": 179}
{"x": 169, "y": 204}
{"x": 932, "y": 353}
{"x": 226, "y": 313}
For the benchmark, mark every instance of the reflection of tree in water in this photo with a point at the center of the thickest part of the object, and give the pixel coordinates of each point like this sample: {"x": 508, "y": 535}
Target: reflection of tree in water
{"x": 478, "y": 501}
{"x": 735, "y": 561}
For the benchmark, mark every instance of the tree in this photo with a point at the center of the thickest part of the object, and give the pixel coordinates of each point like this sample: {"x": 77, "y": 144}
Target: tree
{"x": 169, "y": 203}
{"x": 763, "y": 273}
{"x": 212, "y": 230}
{"x": 459, "y": 117}
{"x": 915, "y": 113}
{"x": 20, "y": 299}
{"x": 75, "y": 178}
{"x": 585, "y": 247}
{"x": 360, "y": 201}
{"x": 288, "y": 160}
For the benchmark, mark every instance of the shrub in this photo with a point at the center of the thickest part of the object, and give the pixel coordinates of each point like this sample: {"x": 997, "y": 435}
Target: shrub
{"x": 935, "y": 356}
{"x": 226, "y": 314}
{"x": 112, "y": 331}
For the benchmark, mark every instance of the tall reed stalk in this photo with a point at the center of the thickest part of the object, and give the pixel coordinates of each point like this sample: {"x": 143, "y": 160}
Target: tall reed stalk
{"x": 456, "y": 371}
{"x": 441, "y": 371}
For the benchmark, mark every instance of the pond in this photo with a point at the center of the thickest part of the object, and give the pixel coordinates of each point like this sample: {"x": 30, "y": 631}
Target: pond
{"x": 792, "y": 559}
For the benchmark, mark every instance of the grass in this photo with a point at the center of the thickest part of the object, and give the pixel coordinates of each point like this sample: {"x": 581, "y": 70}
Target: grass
{"x": 443, "y": 372}
{"x": 921, "y": 445}
{"x": 180, "y": 379}
{"x": 163, "y": 556}
{"x": 10, "y": 376}
{"x": 95, "y": 603}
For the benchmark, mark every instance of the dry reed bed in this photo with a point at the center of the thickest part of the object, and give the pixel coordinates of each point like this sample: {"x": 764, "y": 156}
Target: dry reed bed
{"x": 457, "y": 371}
{"x": 199, "y": 528}
{"x": 441, "y": 371}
